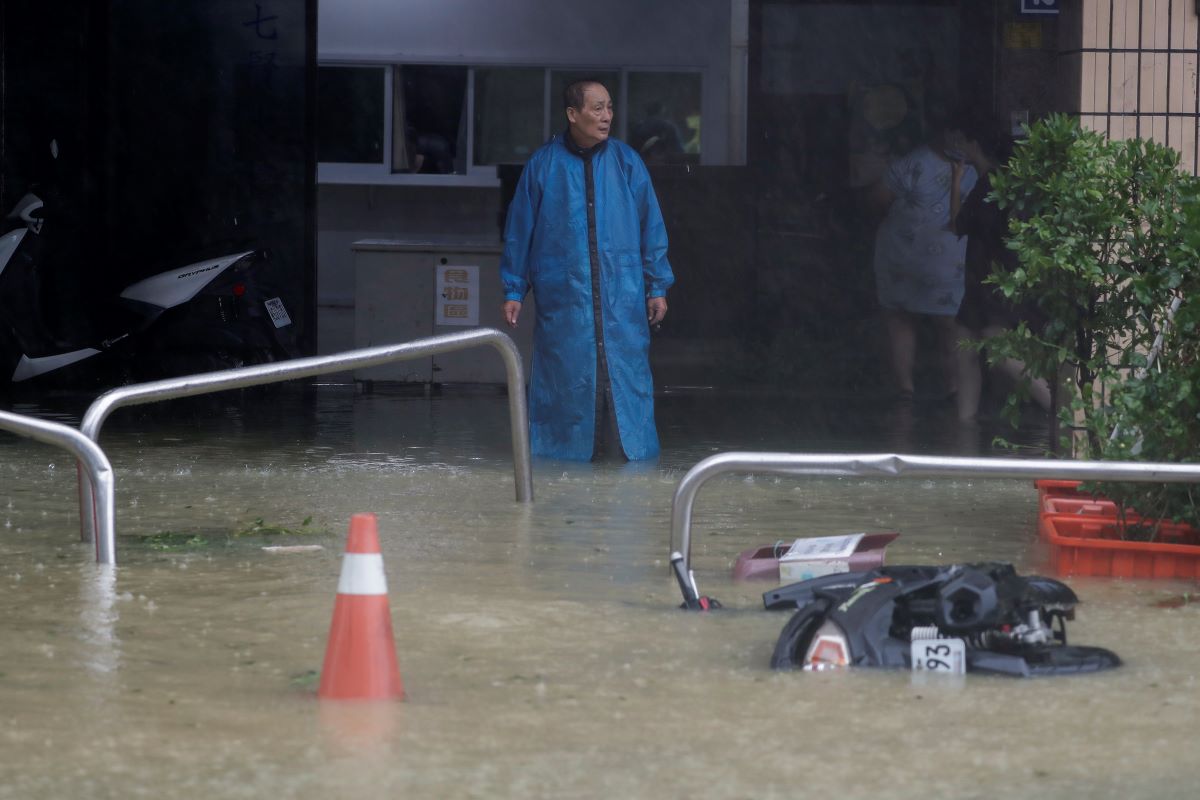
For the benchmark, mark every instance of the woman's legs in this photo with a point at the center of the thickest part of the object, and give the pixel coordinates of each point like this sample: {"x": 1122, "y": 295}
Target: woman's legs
{"x": 970, "y": 375}
{"x": 902, "y": 343}
{"x": 948, "y": 351}
{"x": 1039, "y": 390}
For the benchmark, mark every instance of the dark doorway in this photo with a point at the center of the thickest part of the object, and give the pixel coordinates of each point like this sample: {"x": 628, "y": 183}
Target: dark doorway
{"x": 836, "y": 90}
{"x": 183, "y": 131}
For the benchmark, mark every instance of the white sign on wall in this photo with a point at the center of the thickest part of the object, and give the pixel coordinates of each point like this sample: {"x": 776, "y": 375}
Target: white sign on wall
{"x": 456, "y": 295}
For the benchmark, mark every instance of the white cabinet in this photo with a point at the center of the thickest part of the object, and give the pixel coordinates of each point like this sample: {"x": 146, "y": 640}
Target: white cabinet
{"x": 397, "y": 299}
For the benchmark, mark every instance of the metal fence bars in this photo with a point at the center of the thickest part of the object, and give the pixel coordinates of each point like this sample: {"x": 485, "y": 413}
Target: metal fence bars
{"x": 260, "y": 374}
{"x": 91, "y": 460}
{"x": 900, "y": 466}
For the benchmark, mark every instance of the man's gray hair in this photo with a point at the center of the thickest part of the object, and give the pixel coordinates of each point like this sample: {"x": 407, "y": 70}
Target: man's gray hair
{"x": 575, "y": 90}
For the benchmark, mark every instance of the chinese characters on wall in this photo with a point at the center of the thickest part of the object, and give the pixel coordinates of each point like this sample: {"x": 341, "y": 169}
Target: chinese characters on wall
{"x": 456, "y": 295}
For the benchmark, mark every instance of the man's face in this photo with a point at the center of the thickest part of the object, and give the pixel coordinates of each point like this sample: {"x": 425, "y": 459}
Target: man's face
{"x": 590, "y": 124}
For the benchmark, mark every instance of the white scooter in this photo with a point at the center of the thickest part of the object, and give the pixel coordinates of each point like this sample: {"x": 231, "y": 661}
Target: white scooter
{"x": 207, "y": 315}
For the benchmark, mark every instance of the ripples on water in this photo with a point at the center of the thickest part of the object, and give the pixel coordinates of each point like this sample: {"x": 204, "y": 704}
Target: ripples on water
{"x": 540, "y": 645}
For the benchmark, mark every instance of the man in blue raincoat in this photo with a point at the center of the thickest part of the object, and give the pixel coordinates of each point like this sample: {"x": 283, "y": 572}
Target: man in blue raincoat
{"x": 585, "y": 233}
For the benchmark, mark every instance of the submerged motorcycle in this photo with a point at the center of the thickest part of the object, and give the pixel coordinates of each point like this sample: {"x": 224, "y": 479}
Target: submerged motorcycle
{"x": 205, "y": 316}
{"x": 957, "y": 618}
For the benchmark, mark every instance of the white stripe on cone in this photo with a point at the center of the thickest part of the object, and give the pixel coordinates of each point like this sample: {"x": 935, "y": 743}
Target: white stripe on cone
{"x": 362, "y": 573}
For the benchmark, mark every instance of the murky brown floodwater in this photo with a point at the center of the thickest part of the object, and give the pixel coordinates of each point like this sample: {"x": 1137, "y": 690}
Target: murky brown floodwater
{"x": 540, "y": 646}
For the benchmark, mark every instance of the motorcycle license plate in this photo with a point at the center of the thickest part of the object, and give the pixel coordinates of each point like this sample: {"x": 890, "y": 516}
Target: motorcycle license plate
{"x": 939, "y": 655}
{"x": 279, "y": 314}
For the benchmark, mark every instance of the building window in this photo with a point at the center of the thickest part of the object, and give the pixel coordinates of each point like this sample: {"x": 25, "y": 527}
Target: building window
{"x": 429, "y": 130}
{"x": 350, "y": 127}
{"x": 451, "y": 125}
{"x": 664, "y": 116}
{"x": 509, "y": 119}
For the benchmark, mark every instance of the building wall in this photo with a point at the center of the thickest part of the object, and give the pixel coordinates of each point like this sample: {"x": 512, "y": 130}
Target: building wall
{"x": 1035, "y": 75}
{"x": 1137, "y": 61}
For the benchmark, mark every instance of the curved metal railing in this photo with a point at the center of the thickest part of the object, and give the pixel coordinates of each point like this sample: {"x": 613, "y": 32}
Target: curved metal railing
{"x": 260, "y": 374}
{"x": 92, "y": 461}
{"x": 889, "y": 465}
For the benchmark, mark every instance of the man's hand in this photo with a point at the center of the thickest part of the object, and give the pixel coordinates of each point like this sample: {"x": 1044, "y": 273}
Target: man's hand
{"x": 512, "y": 310}
{"x": 656, "y": 309}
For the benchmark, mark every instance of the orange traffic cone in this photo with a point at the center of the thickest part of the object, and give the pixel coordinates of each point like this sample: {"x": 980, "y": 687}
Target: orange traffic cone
{"x": 360, "y": 657}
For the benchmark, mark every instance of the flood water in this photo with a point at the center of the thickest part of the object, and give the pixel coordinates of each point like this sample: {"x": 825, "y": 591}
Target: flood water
{"x": 540, "y": 646}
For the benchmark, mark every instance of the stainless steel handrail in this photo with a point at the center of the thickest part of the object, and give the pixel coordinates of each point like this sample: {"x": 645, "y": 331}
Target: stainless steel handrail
{"x": 279, "y": 371}
{"x": 92, "y": 461}
{"x": 889, "y": 465}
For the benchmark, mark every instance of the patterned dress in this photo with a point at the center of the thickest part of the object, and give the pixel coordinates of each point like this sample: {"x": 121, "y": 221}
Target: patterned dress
{"x": 919, "y": 261}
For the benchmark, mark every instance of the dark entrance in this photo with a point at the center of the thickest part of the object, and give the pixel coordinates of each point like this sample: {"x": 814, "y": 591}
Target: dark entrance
{"x": 837, "y": 90}
{"x": 183, "y": 130}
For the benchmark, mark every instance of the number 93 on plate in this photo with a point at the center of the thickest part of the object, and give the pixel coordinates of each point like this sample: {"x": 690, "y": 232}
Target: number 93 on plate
{"x": 939, "y": 655}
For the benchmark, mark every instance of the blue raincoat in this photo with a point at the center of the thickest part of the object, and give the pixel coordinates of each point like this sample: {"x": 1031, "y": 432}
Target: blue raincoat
{"x": 551, "y": 246}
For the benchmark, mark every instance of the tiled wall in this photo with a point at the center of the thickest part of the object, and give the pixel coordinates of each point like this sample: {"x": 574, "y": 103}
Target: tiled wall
{"x": 1138, "y": 61}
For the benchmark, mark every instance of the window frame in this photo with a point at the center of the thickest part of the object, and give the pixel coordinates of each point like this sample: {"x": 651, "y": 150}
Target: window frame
{"x": 362, "y": 172}
{"x": 476, "y": 175}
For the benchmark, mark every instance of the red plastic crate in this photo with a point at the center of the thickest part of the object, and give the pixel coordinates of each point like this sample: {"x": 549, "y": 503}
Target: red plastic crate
{"x": 1081, "y": 545}
{"x": 1057, "y": 486}
{"x": 1081, "y": 506}
{"x": 1050, "y": 487}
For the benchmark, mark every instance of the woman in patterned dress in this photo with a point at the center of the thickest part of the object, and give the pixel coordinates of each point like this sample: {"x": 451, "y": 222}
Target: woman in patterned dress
{"x": 919, "y": 259}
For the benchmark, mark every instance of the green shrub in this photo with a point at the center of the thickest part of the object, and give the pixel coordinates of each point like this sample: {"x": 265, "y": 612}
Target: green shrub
{"x": 1107, "y": 234}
